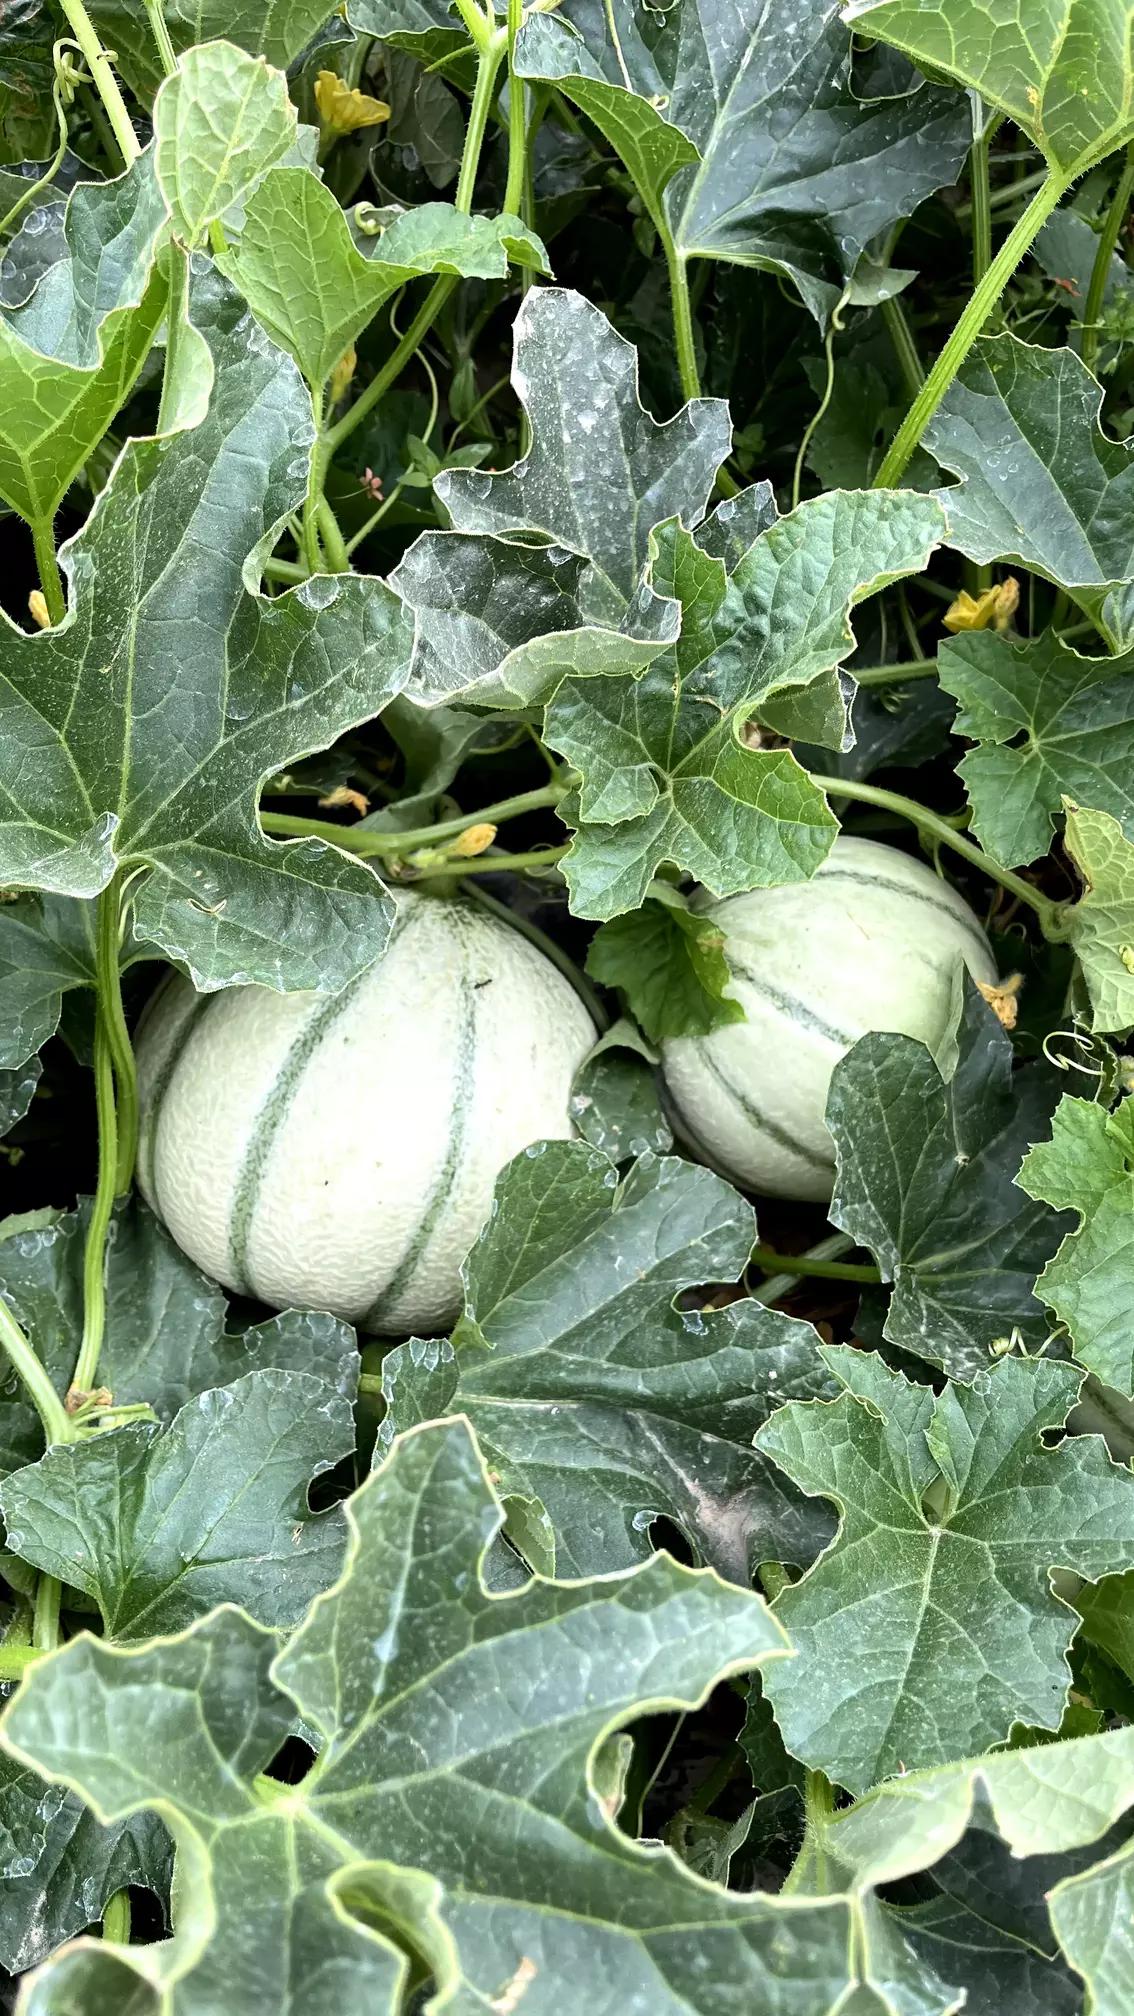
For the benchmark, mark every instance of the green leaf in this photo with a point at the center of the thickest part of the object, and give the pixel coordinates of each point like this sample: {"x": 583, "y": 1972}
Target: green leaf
{"x": 1088, "y": 1167}
{"x": 220, "y": 122}
{"x": 166, "y": 1340}
{"x": 600, "y": 473}
{"x": 930, "y": 1626}
{"x": 925, "y": 1181}
{"x": 73, "y": 342}
{"x": 17, "y": 1090}
{"x": 136, "y": 734}
{"x": 1100, "y": 926}
{"x": 614, "y": 1101}
{"x": 601, "y": 1407}
{"x": 502, "y": 621}
{"x": 59, "y": 1868}
{"x": 669, "y": 965}
{"x": 1063, "y": 70}
{"x": 745, "y": 133}
{"x": 27, "y": 115}
{"x": 160, "y": 1526}
{"x": 275, "y": 29}
{"x": 427, "y": 29}
{"x": 46, "y": 950}
{"x": 1046, "y": 1809}
{"x": 670, "y": 774}
{"x": 451, "y": 1811}
{"x": 315, "y": 290}
{"x": 1042, "y": 486}
{"x": 1076, "y": 717}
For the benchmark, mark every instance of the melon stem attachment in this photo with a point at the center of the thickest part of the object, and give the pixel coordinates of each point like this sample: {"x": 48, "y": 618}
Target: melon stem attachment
{"x": 939, "y": 829}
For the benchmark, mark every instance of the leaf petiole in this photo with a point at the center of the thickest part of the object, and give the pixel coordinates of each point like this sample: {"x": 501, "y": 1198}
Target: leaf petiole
{"x": 103, "y": 78}
{"x": 982, "y": 301}
{"x": 365, "y": 840}
{"x": 48, "y": 1405}
{"x": 1100, "y": 271}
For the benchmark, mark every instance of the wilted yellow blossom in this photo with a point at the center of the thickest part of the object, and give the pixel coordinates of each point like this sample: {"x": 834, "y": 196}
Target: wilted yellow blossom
{"x": 1002, "y": 998}
{"x": 342, "y": 374}
{"x": 993, "y": 610}
{"x": 37, "y": 607}
{"x": 345, "y": 109}
{"x": 473, "y": 841}
{"x": 344, "y": 795}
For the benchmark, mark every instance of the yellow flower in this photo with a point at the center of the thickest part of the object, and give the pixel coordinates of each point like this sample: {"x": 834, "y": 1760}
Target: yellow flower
{"x": 473, "y": 841}
{"x": 343, "y": 109}
{"x": 37, "y": 609}
{"x": 993, "y": 610}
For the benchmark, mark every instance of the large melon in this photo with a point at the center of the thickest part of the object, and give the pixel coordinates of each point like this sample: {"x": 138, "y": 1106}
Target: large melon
{"x": 873, "y": 941}
{"x": 339, "y": 1152}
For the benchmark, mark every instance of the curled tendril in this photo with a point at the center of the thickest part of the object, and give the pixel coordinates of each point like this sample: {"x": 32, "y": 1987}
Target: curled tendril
{"x": 1096, "y": 1061}
{"x": 69, "y": 73}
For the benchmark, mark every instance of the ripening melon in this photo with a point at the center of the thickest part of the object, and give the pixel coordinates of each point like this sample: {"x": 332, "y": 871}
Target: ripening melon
{"x": 873, "y": 941}
{"x": 339, "y": 1151}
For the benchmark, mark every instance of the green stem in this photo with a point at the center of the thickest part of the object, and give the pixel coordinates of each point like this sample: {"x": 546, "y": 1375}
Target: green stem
{"x": 683, "y": 338}
{"x": 771, "y": 1262}
{"x": 496, "y": 864}
{"x": 818, "y": 1809}
{"x": 778, "y": 1285}
{"x": 160, "y": 33}
{"x": 48, "y": 1405}
{"x": 517, "y": 117}
{"x": 892, "y": 675}
{"x": 982, "y": 202}
{"x": 15, "y": 1660}
{"x": 394, "y": 366}
{"x": 334, "y": 545}
{"x": 116, "y": 1919}
{"x": 1100, "y": 271}
{"x": 905, "y": 349}
{"x": 48, "y": 1602}
{"x": 370, "y": 1383}
{"x": 102, "y": 1209}
{"x": 367, "y": 840}
{"x": 176, "y": 316}
{"x": 108, "y": 974}
{"x": 103, "y": 78}
{"x": 774, "y": 1579}
{"x": 316, "y": 477}
{"x": 484, "y": 92}
{"x": 50, "y": 579}
{"x": 981, "y": 303}
{"x": 946, "y": 835}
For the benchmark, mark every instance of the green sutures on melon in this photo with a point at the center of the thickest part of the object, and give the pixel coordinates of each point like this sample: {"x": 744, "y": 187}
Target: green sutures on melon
{"x": 339, "y": 1151}
{"x": 873, "y": 941}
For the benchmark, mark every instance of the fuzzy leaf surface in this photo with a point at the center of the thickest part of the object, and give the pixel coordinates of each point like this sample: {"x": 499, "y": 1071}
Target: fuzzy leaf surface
{"x": 1100, "y": 926}
{"x": 1088, "y": 1167}
{"x": 1076, "y": 718}
{"x": 313, "y": 288}
{"x": 668, "y": 963}
{"x": 668, "y": 775}
{"x": 543, "y": 572}
{"x": 925, "y": 1180}
{"x": 922, "y": 1635}
{"x": 161, "y": 1525}
{"x": 1042, "y": 485}
{"x": 594, "y": 1399}
{"x": 152, "y": 729}
{"x": 1063, "y": 70}
{"x": 220, "y": 122}
{"x": 745, "y": 133}
{"x": 424, "y": 1688}
{"x": 75, "y": 332}
{"x": 166, "y": 1337}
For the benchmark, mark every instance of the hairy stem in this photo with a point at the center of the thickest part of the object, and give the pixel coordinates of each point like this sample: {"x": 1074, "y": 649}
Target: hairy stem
{"x": 1100, "y": 271}
{"x": 50, "y": 579}
{"x": 981, "y": 303}
{"x": 484, "y": 92}
{"x": 940, "y": 830}
{"x": 103, "y": 78}
{"x": 116, "y": 1918}
{"x": 365, "y": 840}
{"x": 981, "y": 201}
{"x": 497, "y": 864}
{"x": 893, "y": 675}
{"x": 41, "y": 1392}
{"x": 45, "y": 1626}
{"x": 158, "y": 29}
{"x": 905, "y": 349}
